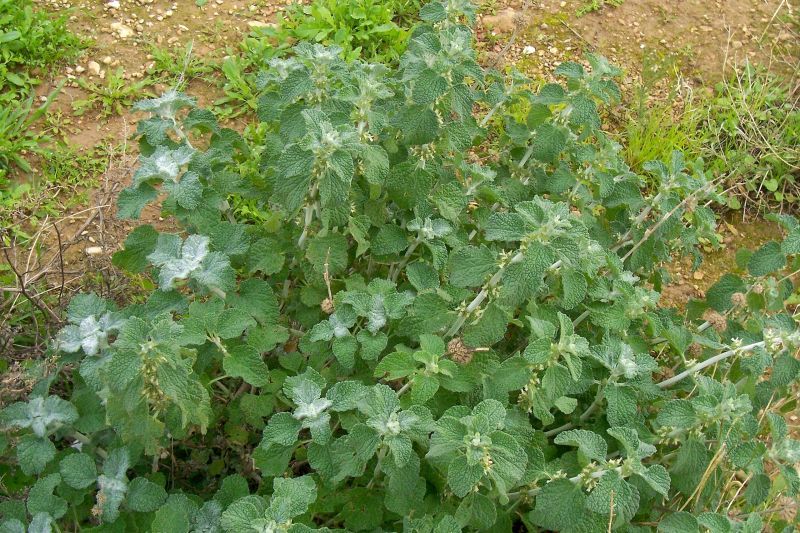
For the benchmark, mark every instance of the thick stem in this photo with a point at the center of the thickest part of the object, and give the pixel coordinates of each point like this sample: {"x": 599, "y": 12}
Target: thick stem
{"x": 309, "y": 217}
{"x": 377, "y": 472}
{"x": 86, "y": 441}
{"x": 404, "y": 261}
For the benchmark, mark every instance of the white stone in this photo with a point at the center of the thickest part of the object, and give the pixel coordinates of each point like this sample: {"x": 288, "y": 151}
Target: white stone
{"x": 94, "y": 250}
{"x": 528, "y": 50}
{"x": 94, "y": 68}
{"x": 122, "y": 30}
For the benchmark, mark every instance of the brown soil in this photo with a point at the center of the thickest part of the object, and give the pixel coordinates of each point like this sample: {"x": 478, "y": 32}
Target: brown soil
{"x": 692, "y": 283}
{"x": 702, "y": 38}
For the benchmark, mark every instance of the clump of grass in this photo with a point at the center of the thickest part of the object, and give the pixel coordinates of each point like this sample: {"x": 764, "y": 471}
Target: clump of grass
{"x": 746, "y": 129}
{"x": 753, "y": 140}
{"x": 31, "y": 41}
{"x": 112, "y": 96}
{"x": 64, "y": 176}
{"x": 655, "y": 127}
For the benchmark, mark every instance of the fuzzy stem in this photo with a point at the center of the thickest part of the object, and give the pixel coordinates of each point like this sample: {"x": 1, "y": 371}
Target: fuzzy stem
{"x": 403, "y": 262}
{"x": 708, "y": 362}
{"x": 625, "y": 239}
{"x": 478, "y": 300}
{"x": 86, "y": 441}
{"x": 377, "y": 472}
{"x": 574, "y": 479}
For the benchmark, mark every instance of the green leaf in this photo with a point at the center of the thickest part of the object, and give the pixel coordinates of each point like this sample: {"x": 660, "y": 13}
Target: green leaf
{"x": 462, "y": 477}
{"x": 548, "y": 143}
{"x": 389, "y": 240}
{"x": 33, "y": 453}
{"x": 719, "y": 295}
{"x": 678, "y": 414}
{"x": 559, "y": 506}
{"x": 282, "y": 430}
{"x": 658, "y": 478}
{"x": 417, "y": 124}
{"x": 509, "y": 460}
{"x": 574, "y": 286}
{"x": 257, "y": 298}
{"x": 42, "y": 500}
{"x": 428, "y": 86}
{"x": 171, "y": 518}
{"x": 265, "y": 256}
{"x": 489, "y": 329}
{"x": 78, "y": 470}
{"x": 331, "y": 250}
{"x": 471, "y": 265}
{"x": 245, "y": 362}
{"x": 371, "y": 344}
{"x": 680, "y": 522}
{"x": 613, "y": 493}
{"x": 144, "y": 496}
{"x": 166, "y": 105}
{"x": 423, "y": 388}
{"x": 138, "y": 245}
{"x": 590, "y": 444}
{"x": 622, "y": 406}
{"x": 132, "y": 200}
{"x": 422, "y": 276}
{"x": 766, "y": 260}
{"x": 39, "y": 414}
{"x": 476, "y": 511}
{"x": 245, "y": 514}
{"x": 758, "y": 489}
{"x": 291, "y": 497}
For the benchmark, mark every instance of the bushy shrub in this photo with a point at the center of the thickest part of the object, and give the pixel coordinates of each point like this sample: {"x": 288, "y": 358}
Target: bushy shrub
{"x": 444, "y": 323}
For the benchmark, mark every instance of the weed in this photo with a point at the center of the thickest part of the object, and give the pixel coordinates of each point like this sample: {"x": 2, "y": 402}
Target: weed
{"x": 31, "y": 40}
{"x": 113, "y": 95}
{"x": 175, "y": 68}
{"x": 753, "y": 127}
{"x": 362, "y": 28}
{"x": 239, "y": 86}
{"x": 590, "y": 6}
{"x": 61, "y": 184}
{"x": 18, "y": 137}
{"x": 654, "y": 128}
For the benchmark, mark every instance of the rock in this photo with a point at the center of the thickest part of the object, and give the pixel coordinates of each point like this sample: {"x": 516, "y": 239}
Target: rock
{"x": 528, "y": 50}
{"x": 94, "y": 250}
{"x": 79, "y": 69}
{"x": 122, "y": 30}
{"x": 94, "y": 68}
{"x": 106, "y": 60}
{"x": 698, "y": 275}
{"x": 503, "y": 22}
{"x": 257, "y": 24}
{"x": 113, "y": 4}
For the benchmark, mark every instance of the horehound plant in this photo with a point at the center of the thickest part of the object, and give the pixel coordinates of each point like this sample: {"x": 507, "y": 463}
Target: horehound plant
{"x": 438, "y": 322}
